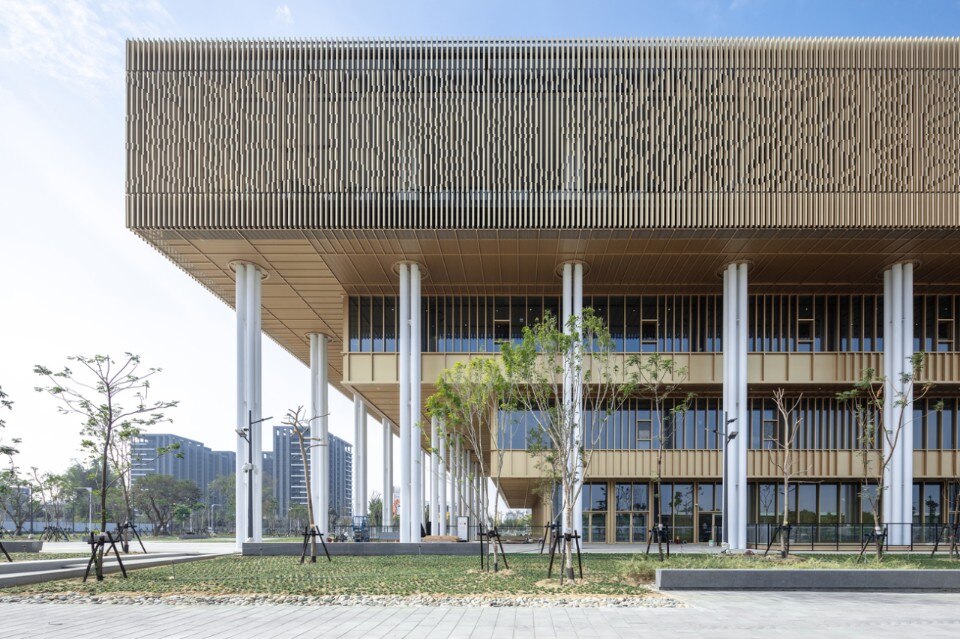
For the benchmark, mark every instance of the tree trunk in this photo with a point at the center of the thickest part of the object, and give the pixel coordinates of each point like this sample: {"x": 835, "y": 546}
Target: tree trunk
{"x": 784, "y": 548}
{"x": 568, "y": 553}
{"x": 103, "y": 489}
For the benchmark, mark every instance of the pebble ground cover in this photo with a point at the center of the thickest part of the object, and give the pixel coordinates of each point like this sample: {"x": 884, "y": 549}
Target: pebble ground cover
{"x": 404, "y": 576}
{"x": 606, "y": 575}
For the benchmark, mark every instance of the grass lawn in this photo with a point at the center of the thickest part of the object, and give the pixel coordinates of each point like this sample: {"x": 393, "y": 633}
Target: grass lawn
{"x": 406, "y": 575}
{"x": 33, "y": 556}
{"x": 605, "y": 574}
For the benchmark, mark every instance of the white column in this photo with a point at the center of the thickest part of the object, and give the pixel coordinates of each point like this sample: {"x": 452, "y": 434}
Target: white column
{"x": 416, "y": 443}
{"x": 442, "y": 475}
{"x": 241, "y": 475}
{"x": 578, "y": 399}
{"x": 387, "y": 519}
{"x": 252, "y": 361}
{"x": 359, "y": 456}
{"x": 734, "y": 400}
{"x": 435, "y": 476}
{"x": 313, "y": 420}
{"x": 454, "y": 482}
{"x": 896, "y": 467}
{"x": 906, "y": 437}
{"x": 567, "y": 311}
{"x": 323, "y": 388}
{"x": 406, "y": 511}
{"x": 887, "y": 507}
{"x": 468, "y": 487}
{"x": 742, "y": 413}
{"x": 425, "y": 486}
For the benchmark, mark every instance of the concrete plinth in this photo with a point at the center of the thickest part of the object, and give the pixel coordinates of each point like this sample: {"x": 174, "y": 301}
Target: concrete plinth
{"x": 363, "y": 549}
{"x": 865, "y": 580}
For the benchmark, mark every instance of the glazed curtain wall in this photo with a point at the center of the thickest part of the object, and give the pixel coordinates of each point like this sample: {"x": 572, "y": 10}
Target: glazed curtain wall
{"x": 826, "y": 424}
{"x": 660, "y": 323}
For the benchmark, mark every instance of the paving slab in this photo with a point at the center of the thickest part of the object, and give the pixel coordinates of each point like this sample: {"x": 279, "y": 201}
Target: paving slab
{"x": 707, "y": 614}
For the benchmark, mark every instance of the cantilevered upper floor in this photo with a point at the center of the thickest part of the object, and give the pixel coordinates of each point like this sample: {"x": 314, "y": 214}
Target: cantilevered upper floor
{"x": 656, "y": 162}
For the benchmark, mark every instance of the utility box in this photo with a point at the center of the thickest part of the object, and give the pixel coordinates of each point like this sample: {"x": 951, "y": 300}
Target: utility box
{"x": 463, "y": 528}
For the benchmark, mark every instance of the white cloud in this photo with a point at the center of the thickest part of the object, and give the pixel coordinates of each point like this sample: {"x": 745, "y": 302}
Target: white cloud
{"x": 283, "y": 14}
{"x": 79, "y": 42}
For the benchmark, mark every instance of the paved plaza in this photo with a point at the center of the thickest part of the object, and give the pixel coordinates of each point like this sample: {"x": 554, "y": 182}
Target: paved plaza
{"x": 741, "y": 615}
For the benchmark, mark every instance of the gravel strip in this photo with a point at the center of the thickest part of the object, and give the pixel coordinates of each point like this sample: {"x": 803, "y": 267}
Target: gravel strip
{"x": 391, "y": 601}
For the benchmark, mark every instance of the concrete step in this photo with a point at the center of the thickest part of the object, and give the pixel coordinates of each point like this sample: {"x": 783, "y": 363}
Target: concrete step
{"x": 30, "y": 574}
{"x": 7, "y": 567}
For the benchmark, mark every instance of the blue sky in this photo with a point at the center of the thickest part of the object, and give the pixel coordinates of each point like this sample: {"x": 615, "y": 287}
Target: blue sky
{"x": 75, "y": 281}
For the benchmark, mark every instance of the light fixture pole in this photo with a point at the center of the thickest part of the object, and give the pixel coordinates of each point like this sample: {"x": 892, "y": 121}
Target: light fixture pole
{"x": 248, "y": 467}
{"x": 213, "y": 518}
{"x": 727, "y": 438}
{"x": 90, "y": 509}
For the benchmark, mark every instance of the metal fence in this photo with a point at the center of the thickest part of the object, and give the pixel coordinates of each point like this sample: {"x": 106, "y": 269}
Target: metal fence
{"x": 847, "y": 536}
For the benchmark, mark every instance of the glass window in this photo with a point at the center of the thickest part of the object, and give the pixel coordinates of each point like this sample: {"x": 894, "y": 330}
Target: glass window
{"x": 615, "y": 319}
{"x": 377, "y": 318}
{"x": 354, "y": 316}
{"x": 597, "y": 497}
{"x": 365, "y": 334}
{"x": 705, "y": 497}
{"x": 390, "y": 324}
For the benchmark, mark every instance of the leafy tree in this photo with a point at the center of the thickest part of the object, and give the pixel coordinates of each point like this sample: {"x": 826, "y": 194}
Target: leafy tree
{"x": 375, "y": 507}
{"x": 158, "y": 496}
{"x": 297, "y": 517}
{"x": 96, "y": 395}
{"x": 182, "y": 514}
{"x": 222, "y": 490}
{"x": 16, "y": 497}
{"x": 879, "y": 440}
{"x": 549, "y": 375}
{"x": 6, "y": 450}
{"x": 466, "y": 397}
{"x": 658, "y": 378}
{"x": 50, "y": 487}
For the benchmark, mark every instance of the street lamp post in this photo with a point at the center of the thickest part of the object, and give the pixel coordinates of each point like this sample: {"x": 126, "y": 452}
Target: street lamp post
{"x": 89, "y": 509}
{"x": 213, "y": 518}
{"x": 727, "y": 438}
{"x": 248, "y": 467}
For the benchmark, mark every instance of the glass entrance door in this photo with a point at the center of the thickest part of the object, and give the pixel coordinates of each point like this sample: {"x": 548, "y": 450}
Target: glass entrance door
{"x": 709, "y": 527}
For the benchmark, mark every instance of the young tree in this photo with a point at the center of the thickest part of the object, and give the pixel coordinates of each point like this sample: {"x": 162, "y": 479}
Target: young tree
{"x": 782, "y": 457}
{"x": 375, "y": 507}
{"x": 464, "y": 402}
{"x": 6, "y": 450}
{"x": 301, "y": 429}
{"x": 51, "y": 490}
{"x": 880, "y": 441}
{"x": 159, "y": 495}
{"x": 548, "y": 375}
{"x": 16, "y": 496}
{"x": 97, "y": 394}
{"x": 657, "y": 379}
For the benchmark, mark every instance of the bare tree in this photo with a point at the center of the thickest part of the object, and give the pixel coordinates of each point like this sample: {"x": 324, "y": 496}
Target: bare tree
{"x": 782, "y": 457}
{"x": 305, "y": 443}
{"x": 880, "y": 441}
{"x": 551, "y": 375}
{"x": 96, "y": 395}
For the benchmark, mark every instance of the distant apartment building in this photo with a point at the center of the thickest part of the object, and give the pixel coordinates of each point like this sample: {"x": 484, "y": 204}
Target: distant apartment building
{"x": 289, "y": 477}
{"x": 184, "y": 459}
